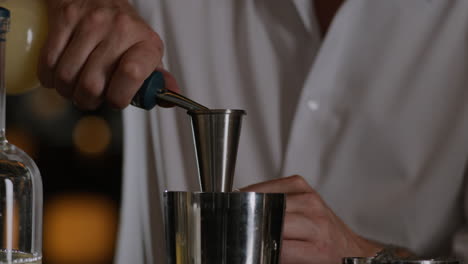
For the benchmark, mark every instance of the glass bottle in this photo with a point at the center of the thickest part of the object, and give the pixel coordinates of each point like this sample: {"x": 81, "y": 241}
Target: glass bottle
{"x": 20, "y": 186}
{"x": 28, "y": 33}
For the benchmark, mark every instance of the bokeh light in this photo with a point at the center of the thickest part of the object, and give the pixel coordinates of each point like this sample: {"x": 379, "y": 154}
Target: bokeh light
{"x": 79, "y": 228}
{"x": 92, "y": 135}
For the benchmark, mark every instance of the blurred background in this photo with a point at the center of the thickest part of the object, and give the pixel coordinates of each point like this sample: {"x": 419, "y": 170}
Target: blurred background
{"x": 78, "y": 153}
{"x": 79, "y": 156}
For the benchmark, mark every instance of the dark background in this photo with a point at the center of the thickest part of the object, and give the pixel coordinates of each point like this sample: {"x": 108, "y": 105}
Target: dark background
{"x": 79, "y": 156}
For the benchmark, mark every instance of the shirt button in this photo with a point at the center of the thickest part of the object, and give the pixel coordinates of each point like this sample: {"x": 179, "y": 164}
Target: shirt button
{"x": 313, "y": 105}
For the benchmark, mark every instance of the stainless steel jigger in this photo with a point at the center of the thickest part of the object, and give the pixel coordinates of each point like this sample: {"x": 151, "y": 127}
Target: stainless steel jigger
{"x": 216, "y": 135}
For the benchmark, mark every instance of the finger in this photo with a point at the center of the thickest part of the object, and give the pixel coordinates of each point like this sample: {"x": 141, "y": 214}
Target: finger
{"x": 88, "y": 35}
{"x": 292, "y": 184}
{"x": 298, "y": 227}
{"x": 309, "y": 204}
{"x": 60, "y": 31}
{"x": 299, "y": 252}
{"x": 96, "y": 74}
{"x": 134, "y": 67}
{"x": 45, "y": 67}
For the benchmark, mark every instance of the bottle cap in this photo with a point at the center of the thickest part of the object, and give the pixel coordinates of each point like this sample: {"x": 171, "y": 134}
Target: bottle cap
{"x": 146, "y": 97}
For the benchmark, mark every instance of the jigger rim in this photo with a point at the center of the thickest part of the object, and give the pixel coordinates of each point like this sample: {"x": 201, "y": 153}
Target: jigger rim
{"x": 217, "y": 112}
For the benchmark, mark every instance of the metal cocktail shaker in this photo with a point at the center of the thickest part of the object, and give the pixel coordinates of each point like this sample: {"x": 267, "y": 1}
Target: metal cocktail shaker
{"x": 223, "y": 228}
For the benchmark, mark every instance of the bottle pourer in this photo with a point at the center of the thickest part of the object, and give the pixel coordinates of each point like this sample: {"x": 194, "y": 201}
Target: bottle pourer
{"x": 216, "y": 133}
{"x": 154, "y": 91}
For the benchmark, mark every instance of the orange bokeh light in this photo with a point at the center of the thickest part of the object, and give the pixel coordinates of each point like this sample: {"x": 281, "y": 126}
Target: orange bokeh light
{"x": 92, "y": 135}
{"x": 80, "y": 228}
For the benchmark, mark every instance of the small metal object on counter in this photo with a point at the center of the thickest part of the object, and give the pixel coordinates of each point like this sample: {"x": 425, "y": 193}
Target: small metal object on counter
{"x": 375, "y": 260}
{"x": 216, "y": 134}
{"x": 237, "y": 228}
{"x": 426, "y": 261}
{"x": 359, "y": 260}
{"x": 154, "y": 90}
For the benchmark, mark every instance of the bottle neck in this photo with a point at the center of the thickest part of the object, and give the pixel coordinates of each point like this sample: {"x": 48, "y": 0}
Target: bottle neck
{"x": 4, "y": 25}
{"x": 2, "y": 89}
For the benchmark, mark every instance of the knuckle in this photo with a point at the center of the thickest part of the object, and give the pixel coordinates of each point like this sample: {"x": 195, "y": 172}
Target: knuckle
{"x": 98, "y": 16}
{"x": 298, "y": 180}
{"x": 89, "y": 89}
{"x": 154, "y": 38}
{"x": 132, "y": 71}
{"x": 123, "y": 22}
{"x": 160, "y": 47}
{"x": 65, "y": 76}
{"x": 70, "y": 12}
{"x": 96, "y": 19}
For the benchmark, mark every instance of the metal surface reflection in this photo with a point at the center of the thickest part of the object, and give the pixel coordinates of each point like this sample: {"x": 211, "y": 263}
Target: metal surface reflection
{"x": 376, "y": 260}
{"x": 216, "y": 135}
{"x": 359, "y": 260}
{"x": 426, "y": 261}
{"x": 241, "y": 228}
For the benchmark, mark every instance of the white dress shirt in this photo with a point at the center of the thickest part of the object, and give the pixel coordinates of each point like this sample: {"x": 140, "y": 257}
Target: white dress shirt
{"x": 374, "y": 116}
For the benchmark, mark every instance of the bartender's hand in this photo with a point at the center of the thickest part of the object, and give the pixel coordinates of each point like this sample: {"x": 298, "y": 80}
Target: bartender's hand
{"x": 98, "y": 51}
{"x": 312, "y": 232}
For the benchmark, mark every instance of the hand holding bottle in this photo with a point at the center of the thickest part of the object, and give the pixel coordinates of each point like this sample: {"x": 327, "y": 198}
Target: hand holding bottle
{"x": 98, "y": 51}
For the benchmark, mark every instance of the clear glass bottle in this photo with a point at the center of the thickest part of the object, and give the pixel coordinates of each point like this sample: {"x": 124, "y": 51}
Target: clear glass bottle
{"x": 20, "y": 187}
